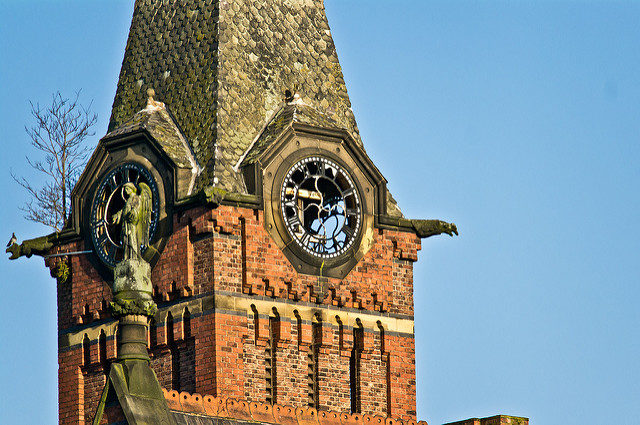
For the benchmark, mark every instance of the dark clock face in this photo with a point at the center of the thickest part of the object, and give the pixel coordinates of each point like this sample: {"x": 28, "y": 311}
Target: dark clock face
{"x": 108, "y": 200}
{"x": 320, "y": 207}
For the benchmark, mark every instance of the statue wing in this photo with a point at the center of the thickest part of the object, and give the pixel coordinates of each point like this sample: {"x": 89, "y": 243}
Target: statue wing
{"x": 145, "y": 213}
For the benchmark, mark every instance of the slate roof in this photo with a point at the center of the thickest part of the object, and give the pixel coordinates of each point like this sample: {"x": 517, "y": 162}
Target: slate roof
{"x": 192, "y": 419}
{"x": 223, "y": 67}
{"x": 297, "y": 112}
{"x": 156, "y": 119}
{"x": 293, "y": 112}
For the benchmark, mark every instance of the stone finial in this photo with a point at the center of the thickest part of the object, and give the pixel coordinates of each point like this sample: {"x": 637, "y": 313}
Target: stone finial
{"x": 153, "y": 104}
{"x": 288, "y": 96}
{"x": 293, "y": 98}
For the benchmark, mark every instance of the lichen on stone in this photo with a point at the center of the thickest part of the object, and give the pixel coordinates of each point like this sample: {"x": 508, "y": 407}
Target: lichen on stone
{"x": 427, "y": 228}
{"x": 123, "y": 307}
{"x": 38, "y": 246}
{"x": 61, "y": 270}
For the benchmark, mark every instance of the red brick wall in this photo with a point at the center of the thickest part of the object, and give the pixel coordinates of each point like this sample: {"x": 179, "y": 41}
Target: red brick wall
{"x": 253, "y": 357}
{"x": 203, "y": 328}
{"x": 230, "y": 332}
{"x": 94, "y": 380}
{"x": 82, "y": 298}
{"x": 333, "y": 380}
{"x": 227, "y": 250}
{"x": 292, "y": 380}
{"x": 70, "y": 387}
{"x": 247, "y": 260}
{"x": 403, "y": 375}
{"x": 374, "y": 381}
{"x": 173, "y": 274}
{"x": 161, "y": 364}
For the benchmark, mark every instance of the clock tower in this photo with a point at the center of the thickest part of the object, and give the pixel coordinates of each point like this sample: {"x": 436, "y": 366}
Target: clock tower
{"x": 280, "y": 277}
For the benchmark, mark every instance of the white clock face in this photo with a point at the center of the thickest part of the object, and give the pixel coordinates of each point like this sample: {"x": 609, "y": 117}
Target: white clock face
{"x": 320, "y": 207}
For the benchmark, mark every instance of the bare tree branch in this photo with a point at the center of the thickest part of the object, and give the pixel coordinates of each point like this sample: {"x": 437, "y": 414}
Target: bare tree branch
{"x": 59, "y": 133}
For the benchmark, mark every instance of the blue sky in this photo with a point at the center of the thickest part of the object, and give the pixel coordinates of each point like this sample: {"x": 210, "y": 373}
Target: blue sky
{"x": 518, "y": 121}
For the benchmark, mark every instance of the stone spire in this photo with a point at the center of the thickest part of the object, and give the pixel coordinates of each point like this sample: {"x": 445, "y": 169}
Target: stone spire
{"x": 222, "y": 67}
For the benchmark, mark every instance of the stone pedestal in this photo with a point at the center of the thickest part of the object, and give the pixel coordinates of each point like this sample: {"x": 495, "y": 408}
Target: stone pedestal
{"x": 132, "y": 337}
{"x": 132, "y": 289}
{"x": 133, "y": 304}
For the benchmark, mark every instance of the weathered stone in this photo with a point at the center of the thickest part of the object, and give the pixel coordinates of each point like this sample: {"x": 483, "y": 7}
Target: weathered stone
{"x": 427, "y": 228}
{"x": 132, "y": 288}
{"x": 37, "y": 246}
{"x": 132, "y": 275}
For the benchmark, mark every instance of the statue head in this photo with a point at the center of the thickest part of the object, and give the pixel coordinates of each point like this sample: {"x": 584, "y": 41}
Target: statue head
{"x": 128, "y": 189}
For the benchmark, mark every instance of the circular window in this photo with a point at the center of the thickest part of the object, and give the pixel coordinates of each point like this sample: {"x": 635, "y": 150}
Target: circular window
{"x": 320, "y": 207}
{"x": 109, "y": 200}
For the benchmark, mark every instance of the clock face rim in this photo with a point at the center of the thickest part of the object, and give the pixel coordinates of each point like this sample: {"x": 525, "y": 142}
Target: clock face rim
{"x": 312, "y": 256}
{"x": 96, "y": 223}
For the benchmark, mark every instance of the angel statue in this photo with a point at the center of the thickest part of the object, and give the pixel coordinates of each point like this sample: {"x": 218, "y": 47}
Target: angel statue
{"x": 135, "y": 217}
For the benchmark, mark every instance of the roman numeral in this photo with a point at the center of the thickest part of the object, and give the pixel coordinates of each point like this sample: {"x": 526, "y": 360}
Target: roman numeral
{"x": 99, "y": 222}
{"x": 102, "y": 239}
{"x": 348, "y": 192}
{"x": 319, "y": 247}
{"x": 293, "y": 220}
{"x": 113, "y": 183}
{"x": 305, "y": 238}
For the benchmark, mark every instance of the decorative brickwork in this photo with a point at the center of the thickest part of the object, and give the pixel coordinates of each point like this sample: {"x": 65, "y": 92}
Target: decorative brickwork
{"x": 226, "y": 407}
{"x": 71, "y": 392}
{"x": 94, "y": 381}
